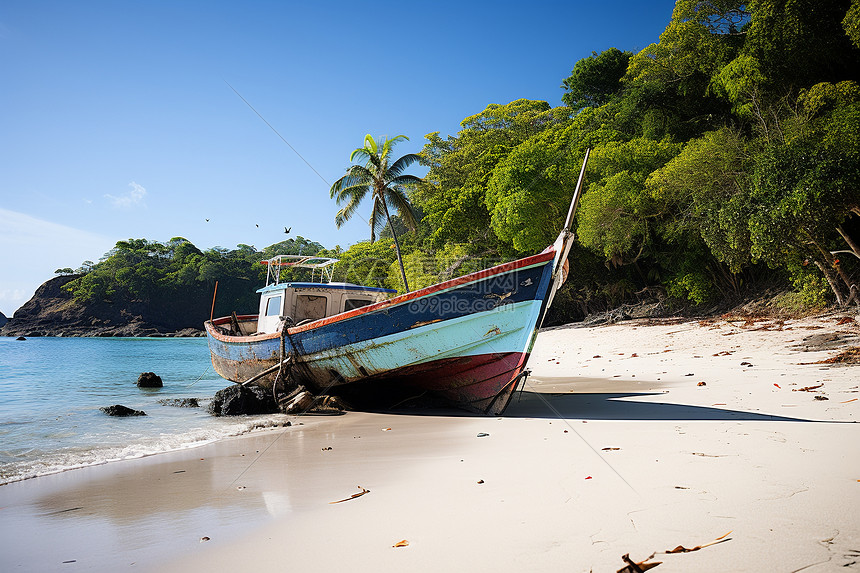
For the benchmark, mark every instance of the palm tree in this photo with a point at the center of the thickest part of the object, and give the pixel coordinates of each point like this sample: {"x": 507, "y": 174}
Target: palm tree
{"x": 385, "y": 181}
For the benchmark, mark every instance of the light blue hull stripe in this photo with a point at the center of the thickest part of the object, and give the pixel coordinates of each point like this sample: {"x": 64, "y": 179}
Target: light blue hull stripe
{"x": 508, "y": 328}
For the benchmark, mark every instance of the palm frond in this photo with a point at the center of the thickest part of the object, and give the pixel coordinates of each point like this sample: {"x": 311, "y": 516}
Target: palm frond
{"x": 406, "y": 180}
{"x": 356, "y": 175}
{"x": 346, "y": 213}
{"x": 354, "y": 192}
{"x": 395, "y": 198}
{"x": 368, "y": 160}
{"x": 391, "y": 142}
{"x": 401, "y": 164}
{"x": 377, "y": 218}
{"x": 370, "y": 144}
{"x": 359, "y": 154}
{"x": 388, "y": 144}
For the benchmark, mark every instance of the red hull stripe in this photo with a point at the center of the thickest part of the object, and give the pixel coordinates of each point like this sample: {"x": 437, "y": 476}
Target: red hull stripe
{"x": 465, "y": 380}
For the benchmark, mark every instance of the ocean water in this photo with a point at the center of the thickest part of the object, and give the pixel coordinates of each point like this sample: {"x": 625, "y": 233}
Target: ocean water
{"x": 51, "y": 390}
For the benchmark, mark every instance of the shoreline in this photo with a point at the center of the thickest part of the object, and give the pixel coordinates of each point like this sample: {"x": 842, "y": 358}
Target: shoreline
{"x": 101, "y": 333}
{"x": 613, "y": 447}
{"x": 256, "y": 427}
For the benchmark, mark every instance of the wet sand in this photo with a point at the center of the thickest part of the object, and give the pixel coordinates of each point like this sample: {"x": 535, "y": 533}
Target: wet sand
{"x": 614, "y": 447}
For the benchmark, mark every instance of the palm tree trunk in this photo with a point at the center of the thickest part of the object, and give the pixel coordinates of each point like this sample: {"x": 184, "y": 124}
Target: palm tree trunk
{"x": 840, "y": 300}
{"x": 855, "y": 248}
{"x": 826, "y": 268}
{"x": 396, "y": 246}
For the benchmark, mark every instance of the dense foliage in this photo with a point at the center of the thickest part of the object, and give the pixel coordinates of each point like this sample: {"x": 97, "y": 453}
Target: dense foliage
{"x": 724, "y": 156}
{"x": 181, "y": 278}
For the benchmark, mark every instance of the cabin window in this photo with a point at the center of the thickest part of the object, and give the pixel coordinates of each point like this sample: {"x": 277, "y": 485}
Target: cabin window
{"x": 309, "y": 307}
{"x": 352, "y": 303}
{"x": 273, "y": 306}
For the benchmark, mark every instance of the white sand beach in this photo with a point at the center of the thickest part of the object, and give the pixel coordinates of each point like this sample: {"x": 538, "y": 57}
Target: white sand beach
{"x": 634, "y": 438}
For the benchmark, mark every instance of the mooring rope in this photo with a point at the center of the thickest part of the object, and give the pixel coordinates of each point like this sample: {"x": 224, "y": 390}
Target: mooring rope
{"x": 199, "y": 378}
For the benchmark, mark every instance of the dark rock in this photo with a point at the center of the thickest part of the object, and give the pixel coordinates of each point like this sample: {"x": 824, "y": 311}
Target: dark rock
{"x": 180, "y": 402}
{"x": 122, "y": 411}
{"x": 189, "y": 332}
{"x": 149, "y": 380}
{"x": 20, "y": 338}
{"x": 3, "y": 319}
{"x": 300, "y": 403}
{"x": 237, "y": 400}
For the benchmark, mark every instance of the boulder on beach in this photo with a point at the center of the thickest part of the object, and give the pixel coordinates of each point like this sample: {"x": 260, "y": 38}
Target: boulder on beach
{"x": 149, "y": 380}
{"x": 121, "y": 411}
{"x": 237, "y": 400}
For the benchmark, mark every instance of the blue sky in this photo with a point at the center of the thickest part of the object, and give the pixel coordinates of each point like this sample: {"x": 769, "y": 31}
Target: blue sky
{"x": 116, "y": 121}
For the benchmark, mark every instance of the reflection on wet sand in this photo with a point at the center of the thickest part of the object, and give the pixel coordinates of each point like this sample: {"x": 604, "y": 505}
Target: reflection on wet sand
{"x": 152, "y": 508}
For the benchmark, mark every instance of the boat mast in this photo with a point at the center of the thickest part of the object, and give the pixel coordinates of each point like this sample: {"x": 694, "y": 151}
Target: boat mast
{"x": 576, "y": 193}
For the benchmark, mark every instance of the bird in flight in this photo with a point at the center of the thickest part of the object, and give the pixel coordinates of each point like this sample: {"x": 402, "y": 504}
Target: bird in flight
{"x": 287, "y": 230}
{"x": 258, "y": 226}
{"x": 207, "y": 220}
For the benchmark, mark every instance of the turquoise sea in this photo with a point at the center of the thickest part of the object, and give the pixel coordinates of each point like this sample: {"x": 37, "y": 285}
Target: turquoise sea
{"x": 51, "y": 390}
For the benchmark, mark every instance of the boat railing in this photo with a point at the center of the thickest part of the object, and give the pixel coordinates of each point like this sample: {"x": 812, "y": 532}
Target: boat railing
{"x": 325, "y": 266}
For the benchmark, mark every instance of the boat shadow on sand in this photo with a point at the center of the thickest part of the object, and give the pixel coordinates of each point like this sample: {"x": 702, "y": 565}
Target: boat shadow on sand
{"x": 630, "y": 406}
{"x": 618, "y": 406}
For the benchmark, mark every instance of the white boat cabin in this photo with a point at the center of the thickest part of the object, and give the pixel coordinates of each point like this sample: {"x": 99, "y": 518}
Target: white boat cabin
{"x": 304, "y": 302}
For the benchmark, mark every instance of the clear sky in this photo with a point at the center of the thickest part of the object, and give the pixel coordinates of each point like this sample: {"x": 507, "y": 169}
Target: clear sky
{"x": 116, "y": 121}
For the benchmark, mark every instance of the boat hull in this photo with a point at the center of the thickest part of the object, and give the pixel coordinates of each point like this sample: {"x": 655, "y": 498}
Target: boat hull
{"x": 466, "y": 340}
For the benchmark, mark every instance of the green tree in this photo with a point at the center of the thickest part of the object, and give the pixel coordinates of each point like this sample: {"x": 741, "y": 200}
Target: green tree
{"x": 365, "y": 263}
{"x": 668, "y": 86}
{"x": 595, "y": 79}
{"x": 453, "y": 196}
{"x": 788, "y": 46}
{"x": 707, "y": 185}
{"x": 529, "y": 191}
{"x": 617, "y": 216}
{"x": 384, "y": 179}
{"x": 426, "y": 267}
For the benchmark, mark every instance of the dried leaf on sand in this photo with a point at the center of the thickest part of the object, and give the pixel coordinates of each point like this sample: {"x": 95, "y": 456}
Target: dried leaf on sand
{"x": 353, "y": 496}
{"x": 681, "y": 549}
{"x": 640, "y": 567}
{"x": 808, "y": 388}
{"x": 850, "y": 356}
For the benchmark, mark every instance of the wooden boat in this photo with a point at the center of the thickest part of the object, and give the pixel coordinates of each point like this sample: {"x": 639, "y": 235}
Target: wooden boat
{"x": 466, "y": 340}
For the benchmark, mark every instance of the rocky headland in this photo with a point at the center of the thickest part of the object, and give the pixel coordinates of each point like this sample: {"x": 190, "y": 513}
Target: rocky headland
{"x": 54, "y": 312}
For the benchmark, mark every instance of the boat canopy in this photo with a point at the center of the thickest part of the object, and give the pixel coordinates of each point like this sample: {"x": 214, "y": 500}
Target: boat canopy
{"x": 324, "y": 265}
{"x": 312, "y": 300}
{"x": 329, "y": 286}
